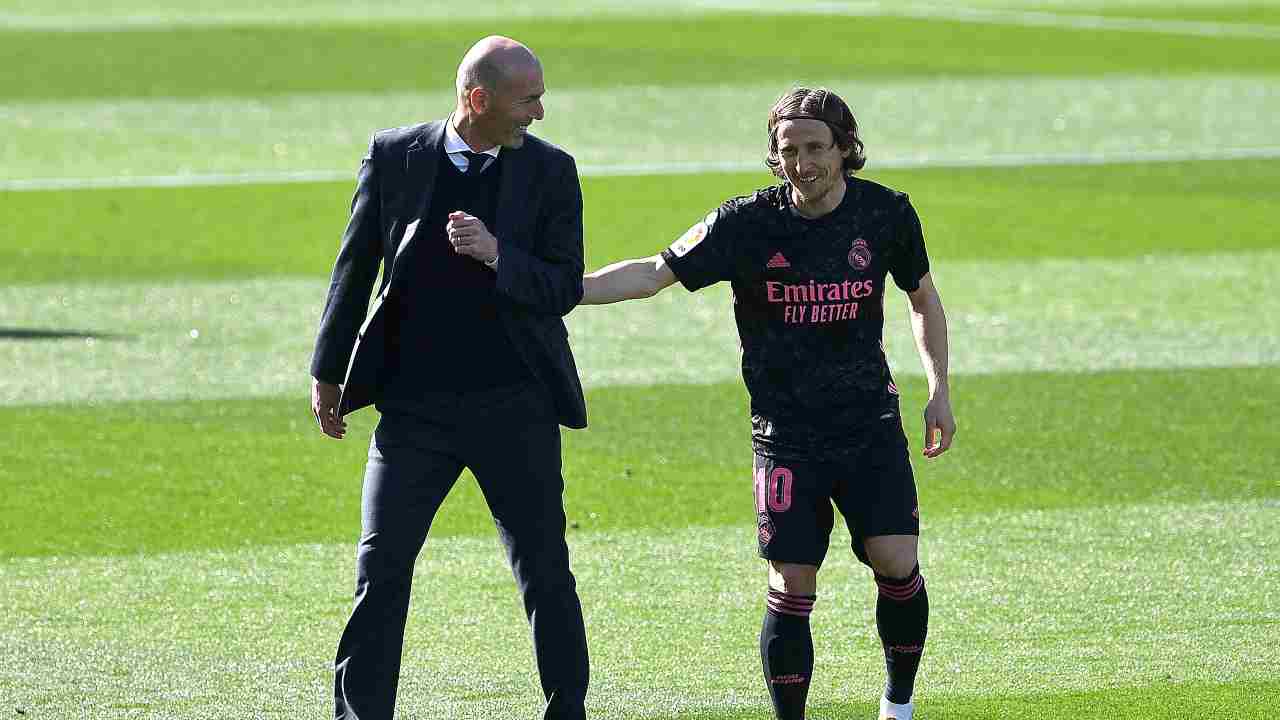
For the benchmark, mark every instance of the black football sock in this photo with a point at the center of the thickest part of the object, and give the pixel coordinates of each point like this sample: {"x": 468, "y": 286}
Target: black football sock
{"x": 786, "y": 649}
{"x": 902, "y": 616}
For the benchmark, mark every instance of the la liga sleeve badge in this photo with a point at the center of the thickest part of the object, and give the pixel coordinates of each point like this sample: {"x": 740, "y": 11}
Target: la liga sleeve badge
{"x": 689, "y": 240}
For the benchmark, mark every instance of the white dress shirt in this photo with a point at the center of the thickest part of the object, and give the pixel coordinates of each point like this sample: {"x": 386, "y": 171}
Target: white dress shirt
{"x": 455, "y": 146}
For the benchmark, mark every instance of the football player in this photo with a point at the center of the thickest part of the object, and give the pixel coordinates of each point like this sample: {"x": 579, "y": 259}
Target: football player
{"x": 807, "y": 260}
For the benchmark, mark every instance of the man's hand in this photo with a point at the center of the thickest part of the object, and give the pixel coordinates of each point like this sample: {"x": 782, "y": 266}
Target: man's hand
{"x": 939, "y": 426}
{"x": 470, "y": 237}
{"x": 324, "y": 405}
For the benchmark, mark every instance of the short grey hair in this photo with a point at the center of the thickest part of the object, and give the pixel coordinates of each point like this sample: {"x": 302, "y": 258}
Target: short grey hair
{"x": 482, "y": 73}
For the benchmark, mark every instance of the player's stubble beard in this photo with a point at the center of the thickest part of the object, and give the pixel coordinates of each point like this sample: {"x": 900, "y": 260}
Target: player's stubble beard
{"x": 813, "y": 195}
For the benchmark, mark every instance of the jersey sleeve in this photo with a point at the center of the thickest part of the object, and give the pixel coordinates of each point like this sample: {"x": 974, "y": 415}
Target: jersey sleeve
{"x": 704, "y": 254}
{"x": 910, "y": 260}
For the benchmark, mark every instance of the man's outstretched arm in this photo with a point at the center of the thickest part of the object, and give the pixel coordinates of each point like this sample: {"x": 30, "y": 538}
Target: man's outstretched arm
{"x": 929, "y": 325}
{"x": 626, "y": 280}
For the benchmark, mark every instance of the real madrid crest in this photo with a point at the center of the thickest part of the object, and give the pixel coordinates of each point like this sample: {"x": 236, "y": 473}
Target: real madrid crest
{"x": 860, "y": 255}
{"x": 765, "y": 529}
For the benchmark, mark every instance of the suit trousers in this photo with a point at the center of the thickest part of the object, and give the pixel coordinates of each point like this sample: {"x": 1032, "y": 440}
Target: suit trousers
{"x": 510, "y": 439}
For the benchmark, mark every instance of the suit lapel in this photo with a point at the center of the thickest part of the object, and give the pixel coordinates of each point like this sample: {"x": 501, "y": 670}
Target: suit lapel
{"x": 420, "y": 161}
{"x": 420, "y": 165}
{"x": 511, "y": 202}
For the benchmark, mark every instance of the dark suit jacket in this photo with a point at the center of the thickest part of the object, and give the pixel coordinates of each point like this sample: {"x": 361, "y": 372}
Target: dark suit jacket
{"x": 539, "y": 274}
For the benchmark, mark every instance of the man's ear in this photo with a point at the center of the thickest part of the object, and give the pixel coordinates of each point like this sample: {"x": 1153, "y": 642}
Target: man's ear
{"x": 479, "y": 99}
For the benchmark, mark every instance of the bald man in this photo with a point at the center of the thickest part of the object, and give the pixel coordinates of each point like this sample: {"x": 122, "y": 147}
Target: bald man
{"x": 477, "y": 226}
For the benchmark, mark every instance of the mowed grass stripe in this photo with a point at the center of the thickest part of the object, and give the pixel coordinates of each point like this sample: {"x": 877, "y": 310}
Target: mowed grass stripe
{"x": 67, "y": 16}
{"x": 199, "y": 180}
{"x": 1063, "y": 315}
{"x": 207, "y": 341}
{"x": 148, "y": 477}
{"x": 1265, "y": 15}
{"x": 1026, "y": 213}
{"x": 75, "y": 15}
{"x": 1182, "y": 598}
{"x": 1006, "y": 120}
{"x": 1215, "y": 19}
{"x": 1079, "y": 21}
{"x": 268, "y": 60}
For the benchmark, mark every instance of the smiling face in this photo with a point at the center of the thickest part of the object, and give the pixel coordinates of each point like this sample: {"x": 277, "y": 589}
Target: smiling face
{"x": 813, "y": 163}
{"x": 500, "y": 90}
{"x": 515, "y": 102}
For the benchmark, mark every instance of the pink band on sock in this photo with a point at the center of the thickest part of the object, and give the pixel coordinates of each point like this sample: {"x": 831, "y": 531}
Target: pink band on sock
{"x": 788, "y": 604}
{"x": 901, "y": 590}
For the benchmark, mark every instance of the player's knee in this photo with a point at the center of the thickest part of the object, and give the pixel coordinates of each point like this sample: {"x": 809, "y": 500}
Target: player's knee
{"x": 898, "y": 566}
{"x": 892, "y": 556}
{"x": 793, "y": 578}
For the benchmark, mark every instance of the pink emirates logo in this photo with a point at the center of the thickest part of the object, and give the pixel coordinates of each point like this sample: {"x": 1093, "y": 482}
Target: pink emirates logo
{"x": 818, "y": 302}
{"x": 817, "y": 292}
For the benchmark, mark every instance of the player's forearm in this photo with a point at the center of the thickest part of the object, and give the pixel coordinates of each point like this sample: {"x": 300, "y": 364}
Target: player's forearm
{"x": 625, "y": 280}
{"x": 929, "y": 325}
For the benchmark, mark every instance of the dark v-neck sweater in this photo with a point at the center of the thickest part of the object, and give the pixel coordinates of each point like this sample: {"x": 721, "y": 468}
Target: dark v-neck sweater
{"x": 447, "y": 334}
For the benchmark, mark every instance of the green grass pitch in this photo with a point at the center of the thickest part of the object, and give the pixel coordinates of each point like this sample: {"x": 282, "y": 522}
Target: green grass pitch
{"x": 177, "y": 539}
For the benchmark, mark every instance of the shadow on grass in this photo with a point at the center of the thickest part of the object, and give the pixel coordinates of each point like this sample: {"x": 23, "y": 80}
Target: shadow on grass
{"x": 45, "y": 334}
{"x": 819, "y": 711}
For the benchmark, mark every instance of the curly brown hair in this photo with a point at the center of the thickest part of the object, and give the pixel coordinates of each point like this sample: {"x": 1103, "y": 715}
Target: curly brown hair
{"x": 817, "y": 104}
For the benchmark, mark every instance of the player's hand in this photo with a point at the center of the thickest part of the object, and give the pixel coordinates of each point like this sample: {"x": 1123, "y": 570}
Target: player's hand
{"x": 939, "y": 426}
{"x": 470, "y": 237}
{"x": 324, "y": 405}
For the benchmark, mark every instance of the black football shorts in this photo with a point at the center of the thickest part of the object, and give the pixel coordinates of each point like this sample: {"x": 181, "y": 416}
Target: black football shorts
{"x": 871, "y": 484}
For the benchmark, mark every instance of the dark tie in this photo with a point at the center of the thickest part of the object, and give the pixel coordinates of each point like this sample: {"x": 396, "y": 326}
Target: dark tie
{"x": 475, "y": 162}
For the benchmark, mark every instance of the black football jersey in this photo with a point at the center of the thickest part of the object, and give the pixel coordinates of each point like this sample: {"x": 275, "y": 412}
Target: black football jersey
{"x": 808, "y": 299}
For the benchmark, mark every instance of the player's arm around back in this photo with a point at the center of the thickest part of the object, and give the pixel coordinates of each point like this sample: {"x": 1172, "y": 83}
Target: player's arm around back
{"x": 929, "y": 325}
{"x": 627, "y": 280}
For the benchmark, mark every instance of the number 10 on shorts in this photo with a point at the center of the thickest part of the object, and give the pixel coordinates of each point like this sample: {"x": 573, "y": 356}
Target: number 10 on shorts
{"x": 773, "y": 489}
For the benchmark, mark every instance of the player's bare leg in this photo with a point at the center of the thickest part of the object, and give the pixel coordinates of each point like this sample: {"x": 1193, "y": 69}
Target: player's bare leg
{"x": 786, "y": 644}
{"x": 902, "y": 617}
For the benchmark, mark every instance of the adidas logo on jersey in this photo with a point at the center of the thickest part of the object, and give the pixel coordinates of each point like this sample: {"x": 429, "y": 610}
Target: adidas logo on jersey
{"x": 777, "y": 261}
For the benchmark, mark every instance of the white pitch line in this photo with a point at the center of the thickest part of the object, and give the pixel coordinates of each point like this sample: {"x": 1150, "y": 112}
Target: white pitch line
{"x": 626, "y": 170}
{"x": 1098, "y": 22}
{"x": 163, "y": 181}
{"x": 1037, "y": 18}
